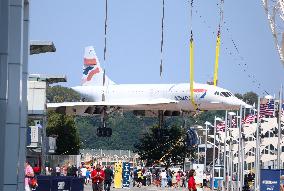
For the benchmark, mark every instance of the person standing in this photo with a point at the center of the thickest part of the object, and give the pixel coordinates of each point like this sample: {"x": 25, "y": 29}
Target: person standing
{"x": 108, "y": 178}
{"x": 140, "y": 177}
{"x": 29, "y": 174}
{"x": 191, "y": 180}
{"x": 164, "y": 178}
{"x": 36, "y": 170}
{"x": 83, "y": 173}
{"x": 135, "y": 177}
{"x": 88, "y": 175}
{"x": 57, "y": 170}
{"x": 97, "y": 177}
{"x": 174, "y": 179}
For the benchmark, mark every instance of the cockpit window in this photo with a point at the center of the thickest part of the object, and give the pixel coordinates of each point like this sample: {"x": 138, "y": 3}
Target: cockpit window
{"x": 225, "y": 94}
{"x": 216, "y": 93}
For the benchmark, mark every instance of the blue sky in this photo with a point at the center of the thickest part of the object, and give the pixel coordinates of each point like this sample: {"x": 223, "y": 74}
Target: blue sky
{"x": 133, "y": 41}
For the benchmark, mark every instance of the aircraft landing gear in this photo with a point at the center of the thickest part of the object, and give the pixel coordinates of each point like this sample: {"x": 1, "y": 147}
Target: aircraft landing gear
{"x": 103, "y": 131}
{"x": 161, "y": 118}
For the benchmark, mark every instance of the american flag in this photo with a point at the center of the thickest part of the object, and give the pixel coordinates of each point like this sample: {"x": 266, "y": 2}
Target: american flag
{"x": 270, "y": 108}
{"x": 234, "y": 122}
{"x": 266, "y": 108}
{"x": 250, "y": 118}
{"x": 221, "y": 126}
{"x": 262, "y": 110}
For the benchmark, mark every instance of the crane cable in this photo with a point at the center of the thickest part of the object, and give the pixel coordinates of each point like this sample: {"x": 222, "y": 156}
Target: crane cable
{"x": 162, "y": 39}
{"x": 191, "y": 60}
{"x": 105, "y": 47}
{"x": 218, "y": 42}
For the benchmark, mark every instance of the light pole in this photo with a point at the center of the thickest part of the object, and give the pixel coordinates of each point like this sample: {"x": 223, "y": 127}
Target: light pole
{"x": 230, "y": 161}
{"x": 225, "y": 152}
{"x": 214, "y": 148}
{"x": 240, "y": 155}
{"x": 199, "y": 142}
{"x": 279, "y": 129}
{"x": 206, "y": 135}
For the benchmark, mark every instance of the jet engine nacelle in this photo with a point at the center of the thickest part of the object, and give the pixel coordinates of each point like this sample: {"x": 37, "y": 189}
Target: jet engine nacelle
{"x": 172, "y": 113}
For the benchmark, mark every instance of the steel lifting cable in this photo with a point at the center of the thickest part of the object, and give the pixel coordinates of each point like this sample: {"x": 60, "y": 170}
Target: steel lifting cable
{"x": 162, "y": 39}
{"x": 105, "y": 47}
{"x": 235, "y": 54}
{"x": 218, "y": 42}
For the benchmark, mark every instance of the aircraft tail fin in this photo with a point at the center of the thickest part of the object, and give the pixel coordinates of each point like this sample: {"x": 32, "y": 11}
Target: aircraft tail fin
{"x": 93, "y": 74}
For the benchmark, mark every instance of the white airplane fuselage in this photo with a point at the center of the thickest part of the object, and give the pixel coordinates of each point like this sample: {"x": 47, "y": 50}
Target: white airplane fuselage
{"x": 206, "y": 97}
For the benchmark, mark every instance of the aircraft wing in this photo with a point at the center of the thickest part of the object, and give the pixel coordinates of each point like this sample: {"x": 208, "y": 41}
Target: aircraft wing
{"x": 87, "y": 108}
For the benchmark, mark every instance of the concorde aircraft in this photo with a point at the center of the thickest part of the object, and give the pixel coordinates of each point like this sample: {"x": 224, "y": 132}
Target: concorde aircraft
{"x": 101, "y": 95}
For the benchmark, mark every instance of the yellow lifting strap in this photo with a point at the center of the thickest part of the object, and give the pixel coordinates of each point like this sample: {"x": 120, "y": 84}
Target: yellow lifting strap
{"x": 217, "y": 58}
{"x": 191, "y": 72}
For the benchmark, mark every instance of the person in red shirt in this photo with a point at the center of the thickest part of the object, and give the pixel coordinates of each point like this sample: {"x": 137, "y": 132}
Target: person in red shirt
{"x": 97, "y": 177}
{"x": 191, "y": 180}
{"x": 36, "y": 170}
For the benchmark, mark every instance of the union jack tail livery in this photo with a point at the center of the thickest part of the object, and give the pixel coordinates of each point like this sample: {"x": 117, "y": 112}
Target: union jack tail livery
{"x": 93, "y": 74}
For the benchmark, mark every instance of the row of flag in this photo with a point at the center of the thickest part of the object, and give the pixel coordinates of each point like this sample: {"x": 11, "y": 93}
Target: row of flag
{"x": 267, "y": 109}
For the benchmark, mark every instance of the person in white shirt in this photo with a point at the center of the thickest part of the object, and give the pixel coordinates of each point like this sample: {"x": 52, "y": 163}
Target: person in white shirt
{"x": 57, "y": 170}
{"x": 83, "y": 172}
{"x": 163, "y": 176}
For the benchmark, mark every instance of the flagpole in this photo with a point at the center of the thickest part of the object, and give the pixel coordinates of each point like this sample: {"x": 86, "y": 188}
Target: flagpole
{"x": 225, "y": 150}
{"x": 279, "y": 129}
{"x": 240, "y": 175}
{"x": 257, "y": 148}
{"x": 239, "y": 152}
{"x": 213, "y": 171}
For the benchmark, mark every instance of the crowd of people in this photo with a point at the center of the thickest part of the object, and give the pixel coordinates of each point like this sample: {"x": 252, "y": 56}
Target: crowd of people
{"x": 101, "y": 177}
{"x": 164, "y": 178}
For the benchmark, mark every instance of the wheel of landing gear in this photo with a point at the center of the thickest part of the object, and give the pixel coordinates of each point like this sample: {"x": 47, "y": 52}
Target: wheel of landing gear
{"x": 99, "y": 132}
{"x": 108, "y": 132}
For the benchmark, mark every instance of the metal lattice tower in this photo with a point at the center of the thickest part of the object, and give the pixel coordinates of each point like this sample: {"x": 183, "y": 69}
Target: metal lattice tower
{"x": 275, "y": 14}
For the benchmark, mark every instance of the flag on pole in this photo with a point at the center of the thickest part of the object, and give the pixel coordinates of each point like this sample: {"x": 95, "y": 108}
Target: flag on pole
{"x": 270, "y": 108}
{"x": 234, "y": 122}
{"x": 267, "y": 108}
{"x": 262, "y": 110}
{"x": 250, "y": 118}
{"x": 221, "y": 126}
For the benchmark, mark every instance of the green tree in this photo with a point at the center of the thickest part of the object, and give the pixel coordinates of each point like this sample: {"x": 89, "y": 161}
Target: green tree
{"x": 57, "y": 94}
{"x": 250, "y": 98}
{"x": 165, "y": 145}
{"x": 126, "y": 130}
{"x": 240, "y": 96}
{"x": 62, "y": 126}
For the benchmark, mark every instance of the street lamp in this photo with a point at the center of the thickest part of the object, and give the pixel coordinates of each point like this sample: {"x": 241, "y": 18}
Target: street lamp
{"x": 198, "y": 127}
{"x": 207, "y": 123}
{"x": 230, "y": 159}
{"x": 214, "y": 144}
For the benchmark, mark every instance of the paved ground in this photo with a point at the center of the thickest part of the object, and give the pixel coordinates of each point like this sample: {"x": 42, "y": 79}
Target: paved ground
{"x": 148, "y": 188}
